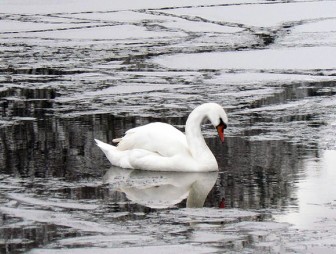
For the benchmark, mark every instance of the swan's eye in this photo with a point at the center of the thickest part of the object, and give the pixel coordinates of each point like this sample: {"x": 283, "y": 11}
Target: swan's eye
{"x": 221, "y": 122}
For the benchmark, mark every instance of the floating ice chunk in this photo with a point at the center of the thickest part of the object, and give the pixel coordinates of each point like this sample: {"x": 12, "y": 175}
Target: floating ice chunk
{"x": 40, "y": 202}
{"x": 118, "y": 32}
{"x": 313, "y": 33}
{"x": 314, "y": 213}
{"x": 260, "y": 226}
{"x": 119, "y": 90}
{"x": 262, "y": 78}
{"x": 306, "y": 58}
{"x": 216, "y": 213}
{"x": 322, "y": 26}
{"x": 210, "y": 215}
{"x": 58, "y": 218}
{"x": 197, "y": 26}
{"x": 164, "y": 249}
{"x": 121, "y": 16}
{"x": 208, "y": 237}
{"x": 107, "y": 240}
{"x": 133, "y": 88}
{"x": 18, "y": 26}
{"x": 65, "y": 6}
{"x": 263, "y": 15}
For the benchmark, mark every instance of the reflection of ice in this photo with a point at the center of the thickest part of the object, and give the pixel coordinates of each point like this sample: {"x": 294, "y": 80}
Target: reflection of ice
{"x": 161, "y": 189}
{"x": 316, "y": 191}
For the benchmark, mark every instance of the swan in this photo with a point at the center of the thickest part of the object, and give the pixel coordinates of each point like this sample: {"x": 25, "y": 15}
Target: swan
{"x": 161, "y": 147}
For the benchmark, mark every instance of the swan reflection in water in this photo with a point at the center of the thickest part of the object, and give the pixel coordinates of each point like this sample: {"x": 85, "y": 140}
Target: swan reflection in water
{"x": 161, "y": 189}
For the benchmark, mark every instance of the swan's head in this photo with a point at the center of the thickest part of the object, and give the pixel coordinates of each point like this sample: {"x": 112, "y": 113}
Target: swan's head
{"x": 211, "y": 111}
{"x": 218, "y": 118}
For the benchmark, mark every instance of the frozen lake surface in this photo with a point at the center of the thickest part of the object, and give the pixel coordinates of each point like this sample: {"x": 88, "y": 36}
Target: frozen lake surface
{"x": 74, "y": 71}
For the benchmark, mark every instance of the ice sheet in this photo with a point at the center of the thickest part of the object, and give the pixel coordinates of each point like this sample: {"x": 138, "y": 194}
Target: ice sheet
{"x": 320, "y": 177}
{"x": 196, "y": 26}
{"x": 322, "y": 26}
{"x": 254, "y": 78}
{"x": 316, "y": 32}
{"x": 57, "y": 218}
{"x": 117, "y": 32}
{"x": 269, "y": 63}
{"x": 300, "y": 58}
{"x": 165, "y": 249}
{"x": 14, "y": 26}
{"x": 122, "y": 16}
{"x": 263, "y": 15}
{"x": 55, "y": 6}
{"x": 46, "y": 203}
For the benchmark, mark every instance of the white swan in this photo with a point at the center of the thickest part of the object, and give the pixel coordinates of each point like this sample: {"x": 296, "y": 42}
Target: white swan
{"x": 162, "y": 147}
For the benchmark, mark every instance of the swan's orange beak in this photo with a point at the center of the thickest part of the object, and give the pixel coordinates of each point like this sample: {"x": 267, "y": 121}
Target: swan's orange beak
{"x": 220, "y": 129}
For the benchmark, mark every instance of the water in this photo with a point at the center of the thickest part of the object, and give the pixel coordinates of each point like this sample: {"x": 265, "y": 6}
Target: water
{"x": 64, "y": 193}
{"x": 71, "y": 73}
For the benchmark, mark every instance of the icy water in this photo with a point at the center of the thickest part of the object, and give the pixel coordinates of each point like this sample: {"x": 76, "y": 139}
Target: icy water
{"x": 73, "y": 72}
{"x": 59, "y": 192}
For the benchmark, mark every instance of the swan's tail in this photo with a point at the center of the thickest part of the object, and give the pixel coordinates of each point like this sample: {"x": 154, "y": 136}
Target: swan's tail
{"x": 105, "y": 147}
{"x": 116, "y": 157}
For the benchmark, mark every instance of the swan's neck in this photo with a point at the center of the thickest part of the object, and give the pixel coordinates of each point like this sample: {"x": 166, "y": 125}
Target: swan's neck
{"x": 197, "y": 146}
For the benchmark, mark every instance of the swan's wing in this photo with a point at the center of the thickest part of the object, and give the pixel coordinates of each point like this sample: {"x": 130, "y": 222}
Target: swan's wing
{"x": 160, "y": 138}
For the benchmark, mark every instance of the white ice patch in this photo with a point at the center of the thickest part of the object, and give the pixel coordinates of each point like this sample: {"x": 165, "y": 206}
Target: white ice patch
{"x": 210, "y": 215}
{"x": 253, "y": 78}
{"x": 301, "y": 58}
{"x": 313, "y": 33}
{"x": 121, "y": 16}
{"x": 57, "y": 218}
{"x": 132, "y": 88}
{"x": 200, "y": 27}
{"x": 44, "y": 203}
{"x": 117, "y": 32}
{"x": 164, "y": 249}
{"x": 259, "y": 226}
{"x": 125, "y": 89}
{"x": 263, "y": 15}
{"x": 105, "y": 240}
{"x": 323, "y": 26}
{"x": 20, "y": 26}
{"x": 314, "y": 192}
{"x": 57, "y": 6}
{"x": 280, "y": 107}
{"x": 209, "y": 237}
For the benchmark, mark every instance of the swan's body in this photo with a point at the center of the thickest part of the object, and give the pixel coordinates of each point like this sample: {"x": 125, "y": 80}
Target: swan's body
{"x": 162, "y": 147}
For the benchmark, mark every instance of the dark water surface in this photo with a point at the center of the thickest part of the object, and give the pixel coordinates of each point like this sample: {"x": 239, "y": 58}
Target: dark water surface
{"x": 57, "y": 185}
{"x": 277, "y": 174}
